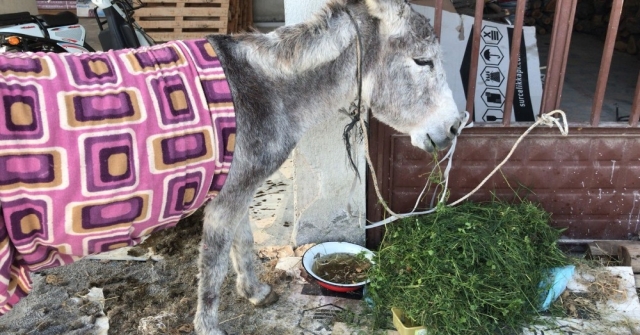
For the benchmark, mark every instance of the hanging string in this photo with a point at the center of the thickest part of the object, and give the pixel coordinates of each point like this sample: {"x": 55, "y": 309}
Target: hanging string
{"x": 354, "y": 111}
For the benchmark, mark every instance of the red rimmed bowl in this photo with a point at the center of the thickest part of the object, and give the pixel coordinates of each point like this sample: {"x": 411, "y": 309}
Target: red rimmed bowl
{"x": 328, "y": 248}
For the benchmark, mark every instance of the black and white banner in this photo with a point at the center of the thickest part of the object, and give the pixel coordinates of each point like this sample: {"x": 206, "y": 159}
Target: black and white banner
{"x": 493, "y": 67}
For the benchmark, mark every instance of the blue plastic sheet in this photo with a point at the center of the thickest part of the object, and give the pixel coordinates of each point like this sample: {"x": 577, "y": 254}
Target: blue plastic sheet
{"x": 557, "y": 283}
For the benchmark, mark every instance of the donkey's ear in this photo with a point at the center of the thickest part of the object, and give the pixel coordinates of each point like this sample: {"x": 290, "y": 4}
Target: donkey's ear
{"x": 390, "y": 12}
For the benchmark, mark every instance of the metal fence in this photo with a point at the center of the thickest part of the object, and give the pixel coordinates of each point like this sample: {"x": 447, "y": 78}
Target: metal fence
{"x": 557, "y": 59}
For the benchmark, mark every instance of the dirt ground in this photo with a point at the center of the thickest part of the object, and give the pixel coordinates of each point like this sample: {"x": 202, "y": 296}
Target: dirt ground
{"x": 140, "y": 297}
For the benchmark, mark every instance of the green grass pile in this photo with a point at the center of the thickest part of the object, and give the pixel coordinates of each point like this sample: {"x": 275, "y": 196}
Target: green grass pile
{"x": 470, "y": 269}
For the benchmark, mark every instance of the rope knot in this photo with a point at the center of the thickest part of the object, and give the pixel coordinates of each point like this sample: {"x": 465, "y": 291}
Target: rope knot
{"x": 548, "y": 120}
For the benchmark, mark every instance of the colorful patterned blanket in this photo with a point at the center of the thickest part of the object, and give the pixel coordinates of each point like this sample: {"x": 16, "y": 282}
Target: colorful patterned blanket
{"x": 100, "y": 149}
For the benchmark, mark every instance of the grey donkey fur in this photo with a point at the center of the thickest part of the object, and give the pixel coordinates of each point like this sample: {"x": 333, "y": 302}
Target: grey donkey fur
{"x": 289, "y": 80}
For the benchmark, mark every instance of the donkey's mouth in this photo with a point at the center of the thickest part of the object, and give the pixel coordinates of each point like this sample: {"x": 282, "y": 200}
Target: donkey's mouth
{"x": 429, "y": 145}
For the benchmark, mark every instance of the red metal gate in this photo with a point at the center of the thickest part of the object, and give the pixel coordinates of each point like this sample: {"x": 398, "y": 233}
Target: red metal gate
{"x": 589, "y": 181}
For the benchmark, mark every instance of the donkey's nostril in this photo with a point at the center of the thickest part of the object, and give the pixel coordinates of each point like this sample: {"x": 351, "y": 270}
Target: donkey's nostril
{"x": 453, "y": 130}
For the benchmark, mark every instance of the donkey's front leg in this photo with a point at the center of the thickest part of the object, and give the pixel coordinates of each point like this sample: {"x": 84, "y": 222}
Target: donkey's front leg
{"x": 219, "y": 228}
{"x": 242, "y": 255}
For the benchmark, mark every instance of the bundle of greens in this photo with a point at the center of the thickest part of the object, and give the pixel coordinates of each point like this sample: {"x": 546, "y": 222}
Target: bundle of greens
{"x": 470, "y": 269}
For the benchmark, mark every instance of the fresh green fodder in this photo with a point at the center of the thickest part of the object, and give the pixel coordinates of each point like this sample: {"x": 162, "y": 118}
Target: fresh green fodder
{"x": 470, "y": 269}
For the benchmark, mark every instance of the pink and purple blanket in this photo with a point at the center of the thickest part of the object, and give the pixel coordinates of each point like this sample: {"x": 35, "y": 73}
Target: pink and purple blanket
{"x": 100, "y": 149}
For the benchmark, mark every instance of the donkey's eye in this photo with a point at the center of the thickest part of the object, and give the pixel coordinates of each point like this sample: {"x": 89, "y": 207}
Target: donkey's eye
{"x": 423, "y": 62}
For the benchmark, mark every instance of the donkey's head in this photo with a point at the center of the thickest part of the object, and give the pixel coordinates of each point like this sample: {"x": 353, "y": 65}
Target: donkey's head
{"x": 407, "y": 88}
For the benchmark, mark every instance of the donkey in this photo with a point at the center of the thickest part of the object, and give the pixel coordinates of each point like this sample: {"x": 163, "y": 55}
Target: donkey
{"x": 108, "y": 117}
{"x": 295, "y": 77}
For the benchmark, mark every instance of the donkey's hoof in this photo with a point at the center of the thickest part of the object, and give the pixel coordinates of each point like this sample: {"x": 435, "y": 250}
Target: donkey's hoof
{"x": 201, "y": 331}
{"x": 270, "y": 299}
{"x": 202, "y": 327}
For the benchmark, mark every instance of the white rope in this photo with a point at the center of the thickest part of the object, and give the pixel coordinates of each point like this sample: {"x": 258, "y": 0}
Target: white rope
{"x": 544, "y": 119}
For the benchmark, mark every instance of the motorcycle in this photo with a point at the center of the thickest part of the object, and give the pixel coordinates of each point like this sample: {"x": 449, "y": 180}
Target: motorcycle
{"x": 22, "y": 32}
{"x": 119, "y": 30}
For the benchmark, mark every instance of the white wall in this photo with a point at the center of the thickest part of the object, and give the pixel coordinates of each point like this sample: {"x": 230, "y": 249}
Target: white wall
{"x": 13, "y": 6}
{"x": 326, "y": 206}
{"x": 297, "y": 11}
{"x": 268, "y": 10}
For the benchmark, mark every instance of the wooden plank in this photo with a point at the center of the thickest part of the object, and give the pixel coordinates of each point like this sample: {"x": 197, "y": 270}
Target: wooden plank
{"x": 627, "y": 252}
{"x": 160, "y": 24}
{"x": 234, "y": 12}
{"x": 182, "y": 12}
{"x": 247, "y": 11}
{"x": 631, "y": 256}
{"x": 604, "y": 249}
{"x": 240, "y": 15}
{"x": 182, "y": 21}
{"x": 165, "y": 37}
{"x": 179, "y": 19}
{"x": 188, "y": 18}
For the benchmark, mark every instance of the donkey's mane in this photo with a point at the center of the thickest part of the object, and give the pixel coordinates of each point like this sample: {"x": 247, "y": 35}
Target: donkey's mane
{"x": 305, "y": 46}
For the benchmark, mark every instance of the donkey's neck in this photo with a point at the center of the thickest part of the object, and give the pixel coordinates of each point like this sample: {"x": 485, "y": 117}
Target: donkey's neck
{"x": 301, "y": 74}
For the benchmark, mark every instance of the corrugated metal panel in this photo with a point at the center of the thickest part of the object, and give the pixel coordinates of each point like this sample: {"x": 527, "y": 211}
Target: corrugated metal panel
{"x": 589, "y": 180}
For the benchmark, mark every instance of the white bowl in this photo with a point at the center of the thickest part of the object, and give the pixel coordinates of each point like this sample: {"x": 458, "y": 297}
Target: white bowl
{"x": 328, "y": 248}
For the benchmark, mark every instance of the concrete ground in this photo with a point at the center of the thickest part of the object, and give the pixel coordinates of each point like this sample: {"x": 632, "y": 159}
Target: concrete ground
{"x": 585, "y": 54}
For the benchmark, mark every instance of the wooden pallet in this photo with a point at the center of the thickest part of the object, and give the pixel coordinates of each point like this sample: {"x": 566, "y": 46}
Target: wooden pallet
{"x": 166, "y": 20}
{"x": 240, "y": 16}
{"x": 626, "y": 253}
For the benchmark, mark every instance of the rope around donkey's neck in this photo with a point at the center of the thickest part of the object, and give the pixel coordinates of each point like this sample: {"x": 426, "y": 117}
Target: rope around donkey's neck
{"x": 544, "y": 119}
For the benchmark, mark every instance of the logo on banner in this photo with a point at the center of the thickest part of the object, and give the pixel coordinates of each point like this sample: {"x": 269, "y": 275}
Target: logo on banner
{"x": 492, "y": 97}
{"x": 492, "y": 76}
{"x": 491, "y": 55}
{"x": 491, "y": 35}
{"x": 493, "y": 115}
